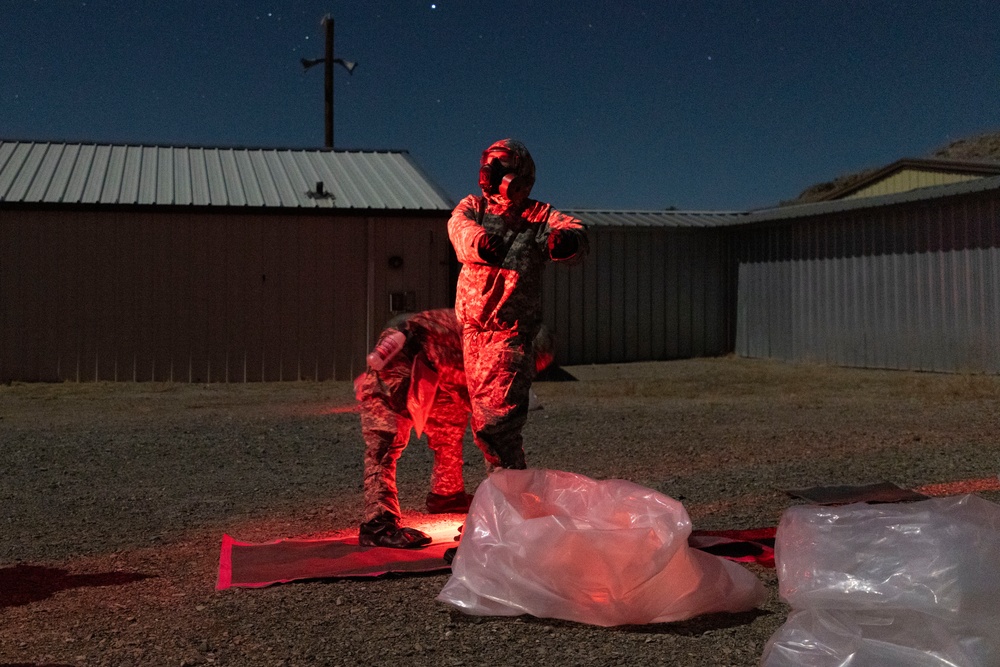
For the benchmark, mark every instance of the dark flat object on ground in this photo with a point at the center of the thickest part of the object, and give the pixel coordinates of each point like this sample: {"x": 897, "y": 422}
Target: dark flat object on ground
{"x": 883, "y": 492}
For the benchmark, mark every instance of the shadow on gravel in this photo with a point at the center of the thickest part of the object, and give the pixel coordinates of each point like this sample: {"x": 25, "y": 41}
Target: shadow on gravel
{"x": 701, "y": 624}
{"x": 33, "y": 664}
{"x": 690, "y": 628}
{"x": 24, "y": 584}
{"x": 550, "y": 374}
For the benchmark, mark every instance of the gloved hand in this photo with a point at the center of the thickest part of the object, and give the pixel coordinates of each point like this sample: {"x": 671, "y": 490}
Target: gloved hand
{"x": 491, "y": 248}
{"x": 562, "y": 244}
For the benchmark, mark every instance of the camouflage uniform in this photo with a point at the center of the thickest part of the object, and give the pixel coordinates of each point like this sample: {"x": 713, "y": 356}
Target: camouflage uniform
{"x": 432, "y": 355}
{"x": 499, "y": 304}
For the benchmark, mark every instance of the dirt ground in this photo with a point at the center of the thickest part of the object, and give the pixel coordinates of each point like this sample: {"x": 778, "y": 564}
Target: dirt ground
{"x": 115, "y": 498}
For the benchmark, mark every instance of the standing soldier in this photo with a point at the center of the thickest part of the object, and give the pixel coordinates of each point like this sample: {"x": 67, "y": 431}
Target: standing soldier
{"x": 503, "y": 240}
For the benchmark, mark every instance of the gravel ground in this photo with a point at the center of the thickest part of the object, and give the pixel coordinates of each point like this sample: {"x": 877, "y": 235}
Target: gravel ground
{"x": 115, "y": 498}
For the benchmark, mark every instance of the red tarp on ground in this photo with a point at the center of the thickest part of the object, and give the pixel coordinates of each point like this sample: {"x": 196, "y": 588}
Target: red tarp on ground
{"x": 255, "y": 565}
{"x": 249, "y": 565}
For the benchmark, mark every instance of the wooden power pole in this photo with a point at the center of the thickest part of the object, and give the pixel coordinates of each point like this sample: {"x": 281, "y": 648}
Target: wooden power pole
{"x": 329, "y": 61}
{"x": 328, "y": 79}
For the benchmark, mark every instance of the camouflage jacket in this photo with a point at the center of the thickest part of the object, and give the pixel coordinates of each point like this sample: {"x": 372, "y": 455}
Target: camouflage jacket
{"x": 434, "y": 338}
{"x": 507, "y": 296}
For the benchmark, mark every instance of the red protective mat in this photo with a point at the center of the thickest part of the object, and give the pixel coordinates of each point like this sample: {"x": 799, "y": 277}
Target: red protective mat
{"x": 255, "y": 565}
{"x": 743, "y": 546}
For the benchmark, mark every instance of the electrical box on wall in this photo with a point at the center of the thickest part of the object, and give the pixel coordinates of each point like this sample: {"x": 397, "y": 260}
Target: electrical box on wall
{"x": 403, "y": 302}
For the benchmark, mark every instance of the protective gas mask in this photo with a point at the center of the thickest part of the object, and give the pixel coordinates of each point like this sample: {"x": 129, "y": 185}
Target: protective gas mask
{"x": 498, "y": 175}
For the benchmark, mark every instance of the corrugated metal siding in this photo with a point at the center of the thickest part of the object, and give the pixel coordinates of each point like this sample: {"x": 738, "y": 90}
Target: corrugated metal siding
{"x": 643, "y": 293}
{"x": 127, "y": 294}
{"x": 912, "y": 286}
{"x": 910, "y": 179}
{"x": 56, "y": 173}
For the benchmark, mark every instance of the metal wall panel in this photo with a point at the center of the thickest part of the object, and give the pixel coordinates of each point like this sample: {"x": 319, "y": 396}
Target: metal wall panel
{"x": 411, "y": 258}
{"x": 139, "y": 295}
{"x": 912, "y": 287}
{"x": 643, "y": 293}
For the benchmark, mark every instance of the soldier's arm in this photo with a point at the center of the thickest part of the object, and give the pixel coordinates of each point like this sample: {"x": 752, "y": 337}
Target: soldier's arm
{"x": 464, "y": 230}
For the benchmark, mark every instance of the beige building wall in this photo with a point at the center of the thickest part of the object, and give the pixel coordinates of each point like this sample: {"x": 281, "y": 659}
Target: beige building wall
{"x": 909, "y": 179}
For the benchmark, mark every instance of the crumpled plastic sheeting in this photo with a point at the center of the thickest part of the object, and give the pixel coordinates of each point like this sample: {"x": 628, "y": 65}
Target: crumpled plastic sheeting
{"x": 893, "y": 585}
{"x": 555, "y": 544}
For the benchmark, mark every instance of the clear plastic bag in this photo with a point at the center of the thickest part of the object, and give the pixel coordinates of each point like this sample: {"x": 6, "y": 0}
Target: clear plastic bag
{"x": 891, "y": 638}
{"x": 891, "y": 584}
{"x": 556, "y": 544}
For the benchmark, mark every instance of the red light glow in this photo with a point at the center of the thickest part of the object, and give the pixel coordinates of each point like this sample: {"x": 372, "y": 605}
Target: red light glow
{"x": 960, "y": 487}
{"x": 441, "y": 528}
{"x": 339, "y": 409}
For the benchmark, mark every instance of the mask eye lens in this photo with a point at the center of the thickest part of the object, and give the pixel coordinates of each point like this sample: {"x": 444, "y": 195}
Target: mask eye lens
{"x": 504, "y": 158}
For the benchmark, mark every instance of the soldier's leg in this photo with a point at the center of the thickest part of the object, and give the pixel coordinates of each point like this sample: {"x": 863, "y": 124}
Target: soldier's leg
{"x": 445, "y": 430}
{"x": 386, "y": 434}
{"x": 499, "y": 377}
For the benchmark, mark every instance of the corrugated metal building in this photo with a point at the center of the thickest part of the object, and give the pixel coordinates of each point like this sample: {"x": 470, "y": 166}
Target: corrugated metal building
{"x": 657, "y": 285}
{"x": 903, "y": 281}
{"x": 235, "y": 264}
{"x": 210, "y": 264}
{"x": 907, "y": 280}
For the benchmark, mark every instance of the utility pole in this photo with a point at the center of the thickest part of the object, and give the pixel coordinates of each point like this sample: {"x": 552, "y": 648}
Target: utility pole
{"x": 329, "y": 61}
{"x": 328, "y": 79}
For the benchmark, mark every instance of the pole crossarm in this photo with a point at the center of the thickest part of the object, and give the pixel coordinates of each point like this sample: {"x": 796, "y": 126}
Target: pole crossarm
{"x": 328, "y": 61}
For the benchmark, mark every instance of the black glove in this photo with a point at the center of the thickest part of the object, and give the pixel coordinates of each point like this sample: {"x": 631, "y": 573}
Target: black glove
{"x": 562, "y": 244}
{"x": 491, "y": 248}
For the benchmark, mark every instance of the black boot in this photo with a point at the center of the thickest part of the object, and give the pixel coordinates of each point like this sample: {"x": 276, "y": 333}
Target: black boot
{"x": 456, "y": 503}
{"x": 385, "y": 531}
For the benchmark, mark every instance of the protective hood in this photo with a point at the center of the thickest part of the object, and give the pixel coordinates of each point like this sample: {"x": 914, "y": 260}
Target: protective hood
{"x": 507, "y": 172}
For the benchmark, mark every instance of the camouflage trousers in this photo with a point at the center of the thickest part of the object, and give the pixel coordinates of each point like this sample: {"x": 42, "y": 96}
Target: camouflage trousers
{"x": 386, "y": 428}
{"x": 499, "y": 367}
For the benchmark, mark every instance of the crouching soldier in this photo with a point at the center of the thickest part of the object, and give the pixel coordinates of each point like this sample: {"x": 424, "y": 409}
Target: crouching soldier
{"x": 416, "y": 381}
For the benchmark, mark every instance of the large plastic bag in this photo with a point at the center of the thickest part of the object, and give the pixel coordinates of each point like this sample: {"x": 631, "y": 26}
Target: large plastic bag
{"x": 560, "y": 545}
{"x": 892, "y": 638}
{"x": 890, "y": 584}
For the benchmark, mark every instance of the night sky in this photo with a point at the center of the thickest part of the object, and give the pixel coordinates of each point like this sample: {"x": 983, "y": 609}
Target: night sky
{"x": 696, "y": 104}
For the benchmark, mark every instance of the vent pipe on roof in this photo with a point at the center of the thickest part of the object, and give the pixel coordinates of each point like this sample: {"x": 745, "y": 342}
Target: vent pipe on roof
{"x": 320, "y": 192}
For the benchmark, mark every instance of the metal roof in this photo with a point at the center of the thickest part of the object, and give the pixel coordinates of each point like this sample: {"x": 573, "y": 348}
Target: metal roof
{"x": 83, "y": 173}
{"x": 593, "y": 218}
{"x": 732, "y": 218}
{"x": 843, "y": 205}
